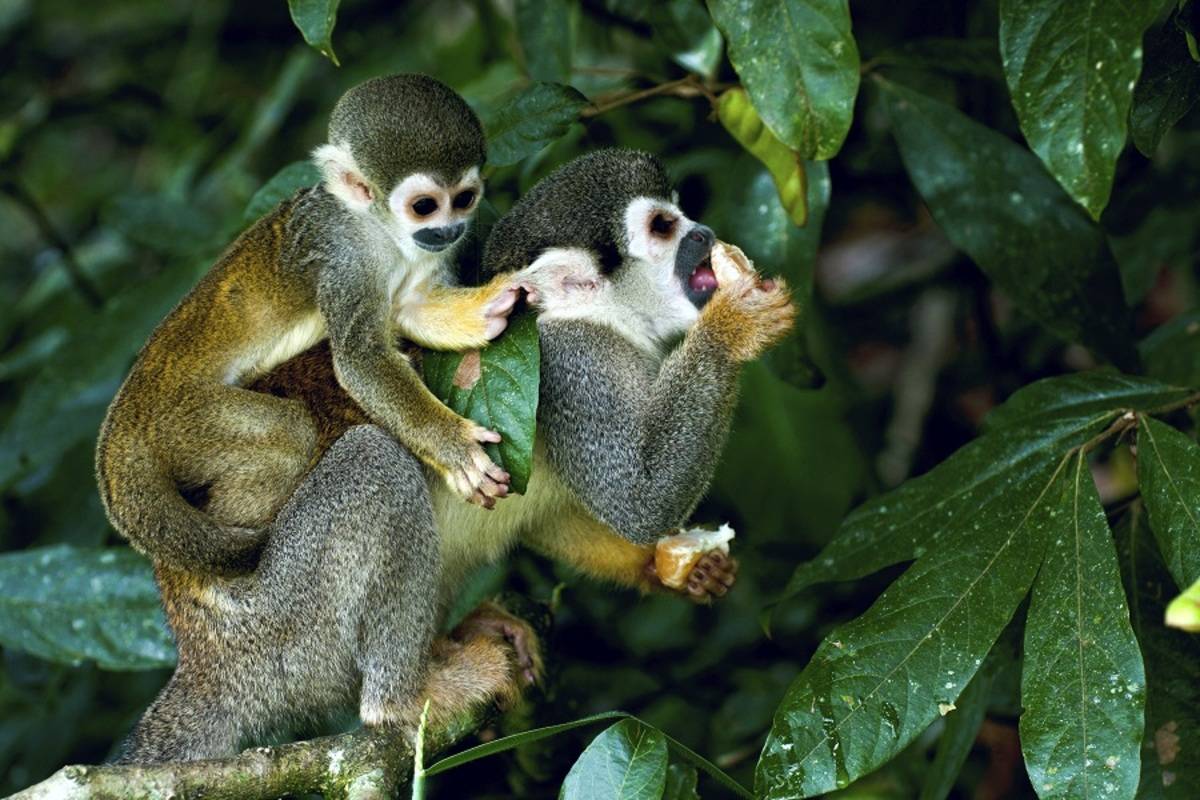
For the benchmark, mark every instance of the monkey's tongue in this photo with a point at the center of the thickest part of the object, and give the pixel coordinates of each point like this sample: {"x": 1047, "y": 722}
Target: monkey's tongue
{"x": 703, "y": 279}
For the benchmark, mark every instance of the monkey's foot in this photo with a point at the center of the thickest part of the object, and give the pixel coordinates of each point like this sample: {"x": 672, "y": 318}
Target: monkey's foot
{"x": 713, "y": 576}
{"x": 490, "y": 619}
{"x": 472, "y": 474}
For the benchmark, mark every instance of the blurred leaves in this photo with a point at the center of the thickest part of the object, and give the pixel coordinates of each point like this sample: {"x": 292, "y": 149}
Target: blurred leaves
{"x": 1168, "y": 88}
{"x": 992, "y": 198}
{"x": 498, "y": 388}
{"x": 1090, "y": 53}
{"x": 799, "y": 63}
{"x": 281, "y": 186}
{"x": 532, "y": 119}
{"x": 547, "y": 38}
{"x": 69, "y": 605}
{"x": 315, "y": 19}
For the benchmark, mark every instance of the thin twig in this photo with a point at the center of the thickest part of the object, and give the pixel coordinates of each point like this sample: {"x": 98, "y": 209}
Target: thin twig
{"x": 687, "y": 87}
{"x": 25, "y": 199}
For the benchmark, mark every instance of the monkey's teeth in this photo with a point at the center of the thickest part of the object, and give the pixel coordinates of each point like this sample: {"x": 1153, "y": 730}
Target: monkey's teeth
{"x": 703, "y": 279}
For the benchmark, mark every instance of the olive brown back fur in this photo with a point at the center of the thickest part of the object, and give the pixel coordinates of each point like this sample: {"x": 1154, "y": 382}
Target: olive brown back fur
{"x": 375, "y": 120}
{"x": 579, "y": 205}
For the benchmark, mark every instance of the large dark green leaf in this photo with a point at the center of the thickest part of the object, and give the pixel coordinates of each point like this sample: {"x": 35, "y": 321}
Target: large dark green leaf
{"x": 625, "y": 762}
{"x": 1082, "y": 684}
{"x": 315, "y": 19}
{"x": 876, "y": 683}
{"x": 1167, "y": 90}
{"x": 992, "y": 198}
{"x": 545, "y": 31}
{"x": 281, "y": 186}
{"x": 1171, "y": 742}
{"x": 70, "y": 605}
{"x": 528, "y": 122}
{"x": 975, "y": 57}
{"x": 498, "y": 388}
{"x": 1168, "y": 466}
{"x": 799, "y": 62}
{"x": 1071, "y": 68}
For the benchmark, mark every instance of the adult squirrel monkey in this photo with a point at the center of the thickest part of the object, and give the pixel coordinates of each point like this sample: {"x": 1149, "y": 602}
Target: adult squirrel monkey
{"x": 364, "y": 560}
{"x": 359, "y": 259}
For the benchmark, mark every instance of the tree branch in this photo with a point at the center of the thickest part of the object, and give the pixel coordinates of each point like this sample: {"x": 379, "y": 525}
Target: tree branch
{"x": 362, "y": 765}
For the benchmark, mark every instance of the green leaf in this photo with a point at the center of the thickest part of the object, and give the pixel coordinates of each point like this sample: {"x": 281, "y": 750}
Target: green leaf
{"x": 167, "y": 224}
{"x": 625, "y": 762}
{"x": 962, "y": 726}
{"x": 516, "y": 740}
{"x": 528, "y": 122}
{"x": 681, "y": 783}
{"x": 1171, "y": 352}
{"x": 281, "y": 186}
{"x": 1083, "y": 394}
{"x": 992, "y": 198}
{"x": 1082, "y": 685}
{"x": 1167, "y": 90}
{"x": 1071, "y": 68}
{"x": 799, "y": 62}
{"x": 315, "y": 19}
{"x": 547, "y": 38}
{"x": 498, "y": 388}
{"x": 1171, "y": 742}
{"x": 1167, "y": 463}
{"x": 69, "y": 605}
{"x": 876, "y": 683}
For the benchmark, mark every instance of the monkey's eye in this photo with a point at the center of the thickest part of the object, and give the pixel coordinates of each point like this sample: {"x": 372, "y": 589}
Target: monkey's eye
{"x": 424, "y": 206}
{"x": 662, "y": 225}
{"x": 464, "y": 199}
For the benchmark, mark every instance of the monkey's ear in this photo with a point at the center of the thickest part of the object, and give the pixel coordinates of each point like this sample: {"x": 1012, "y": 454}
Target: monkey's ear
{"x": 342, "y": 177}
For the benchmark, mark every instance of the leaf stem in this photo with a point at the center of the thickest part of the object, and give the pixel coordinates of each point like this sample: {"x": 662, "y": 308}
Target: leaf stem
{"x": 686, "y": 87}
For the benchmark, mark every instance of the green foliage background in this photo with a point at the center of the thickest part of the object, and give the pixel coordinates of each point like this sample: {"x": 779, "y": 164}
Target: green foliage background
{"x": 1002, "y": 192}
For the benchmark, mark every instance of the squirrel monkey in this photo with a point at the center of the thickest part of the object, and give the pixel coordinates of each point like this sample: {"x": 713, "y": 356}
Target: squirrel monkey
{"x": 364, "y": 560}
{"x": 358, "y": 259}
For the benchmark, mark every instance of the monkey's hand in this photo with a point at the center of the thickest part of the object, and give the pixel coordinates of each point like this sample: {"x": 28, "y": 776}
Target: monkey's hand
{"x": 469, "y": 471}
{"x": 497, "y": 310}
{"x": 748, "y": 315}
{"x": 712, "y": 577}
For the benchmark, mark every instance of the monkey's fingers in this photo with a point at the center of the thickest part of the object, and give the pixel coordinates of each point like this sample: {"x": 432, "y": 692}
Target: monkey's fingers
{"x": 480, "y": 434}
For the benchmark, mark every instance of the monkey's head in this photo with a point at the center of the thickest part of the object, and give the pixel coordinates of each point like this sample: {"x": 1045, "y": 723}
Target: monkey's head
{"x": 405, "y": 151}
{"x": 620, "y": 206}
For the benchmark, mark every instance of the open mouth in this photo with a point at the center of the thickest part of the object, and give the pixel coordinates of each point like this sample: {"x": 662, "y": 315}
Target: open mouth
{"x": 703, "y": 281}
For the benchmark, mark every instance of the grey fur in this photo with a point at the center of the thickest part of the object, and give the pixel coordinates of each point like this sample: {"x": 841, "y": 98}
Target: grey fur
{"x": 581, "y": 204}
{"x": 334, "y": 605}
{"x": 444, "y": 140}
{"x": 636, "y": 442}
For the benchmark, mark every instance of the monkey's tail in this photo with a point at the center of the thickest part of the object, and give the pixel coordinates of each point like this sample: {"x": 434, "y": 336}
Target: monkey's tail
{"x": 145, "y": 506}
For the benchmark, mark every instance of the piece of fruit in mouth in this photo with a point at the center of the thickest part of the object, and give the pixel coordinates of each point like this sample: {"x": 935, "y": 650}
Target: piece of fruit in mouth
{"x": 703, "y": 279}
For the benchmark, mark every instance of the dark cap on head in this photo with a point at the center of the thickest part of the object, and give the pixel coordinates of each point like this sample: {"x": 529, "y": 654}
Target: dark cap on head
{"x": 396, "y": 125}
{"x": 581, "y": 204}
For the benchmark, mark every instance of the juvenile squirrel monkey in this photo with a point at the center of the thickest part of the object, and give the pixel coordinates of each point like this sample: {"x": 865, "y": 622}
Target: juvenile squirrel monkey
{"x": 363, "y": 561}
{"x": 358, "y": 259}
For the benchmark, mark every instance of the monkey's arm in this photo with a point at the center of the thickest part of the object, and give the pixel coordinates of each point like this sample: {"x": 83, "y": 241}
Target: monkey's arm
{"x": 357, "y": 309}
{"x": 637, "y": 448}
{"x": 457, "y": 317}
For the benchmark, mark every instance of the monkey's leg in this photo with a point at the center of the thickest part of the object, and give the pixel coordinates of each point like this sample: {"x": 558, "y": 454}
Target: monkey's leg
{"x": 352, "y": 568}
{"x": 460, "y": 318}
{"x": 248, "y": 450}
{"x": 469, "y": 668}
{"x": 191, "y": 719}
{"x": 593, "y": 548}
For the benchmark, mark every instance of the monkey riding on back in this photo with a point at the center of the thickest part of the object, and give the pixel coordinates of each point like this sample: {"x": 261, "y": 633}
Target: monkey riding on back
{"x": 361, "y": 258}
